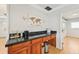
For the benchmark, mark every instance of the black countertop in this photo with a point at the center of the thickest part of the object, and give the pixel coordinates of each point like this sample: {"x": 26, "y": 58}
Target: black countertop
{"x": 20, "y": 40}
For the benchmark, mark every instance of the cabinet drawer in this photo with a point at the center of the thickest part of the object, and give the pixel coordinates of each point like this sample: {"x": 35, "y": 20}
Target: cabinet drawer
{"x": 26, "y": 44}
{"x": 38, "y": 40}
{"x": 19, "y": 46}
{"x": 25, "y": 50}
{"x": 46, "y": 38}
{"x": 53, "y": 36}
{"x": 20, "y": 51}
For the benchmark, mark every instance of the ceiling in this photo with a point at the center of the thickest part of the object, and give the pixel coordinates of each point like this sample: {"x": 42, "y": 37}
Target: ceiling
{"x": 53, "y": 6}
{"x": 72, "y": 10}
{"x": 72, "y": 14}
{"x": 43, "y": 6}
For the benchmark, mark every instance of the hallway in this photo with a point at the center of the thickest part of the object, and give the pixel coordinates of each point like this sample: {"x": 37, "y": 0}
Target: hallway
{"x": 70, "y": 46}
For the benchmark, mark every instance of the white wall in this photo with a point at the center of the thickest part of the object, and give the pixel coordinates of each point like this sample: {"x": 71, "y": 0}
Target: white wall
{"x": 17, "y": 24}
{"x": 74, "y": 32}
{"x": 4, "y": 21}
{"x": 54, "y": 23}
{"x": 64, "y": 28}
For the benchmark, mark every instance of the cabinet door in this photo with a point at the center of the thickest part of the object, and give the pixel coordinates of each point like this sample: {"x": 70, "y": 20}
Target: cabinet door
{"x": 21, "y": 51}
{"x": 36, "y": 49}
{"x": 20, "y": 48}
{"x": 25, "y": 50}
{"x": 36, "y": 46}
{"x": 28, "y": 50}
{"x": 53, "y": 41}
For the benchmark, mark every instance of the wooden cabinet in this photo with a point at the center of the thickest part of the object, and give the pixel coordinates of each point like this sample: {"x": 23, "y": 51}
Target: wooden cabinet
{"x": 36, "y": 46}
{"x": 36, "y": 49}
{"x": 52, "y": 40}
{"x": 21, "y": 48}
{"x": 26, "y": 50}
{"x": 46, "y": 38}
{"x": 31, "y": 47}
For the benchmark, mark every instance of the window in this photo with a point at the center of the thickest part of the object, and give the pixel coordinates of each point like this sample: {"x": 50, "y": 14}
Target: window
{"x": 75, "y": 25}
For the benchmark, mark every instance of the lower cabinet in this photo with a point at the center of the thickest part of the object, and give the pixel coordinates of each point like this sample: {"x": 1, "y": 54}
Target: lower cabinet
{"x": 25, "y": 50}
{"x": 36, "y": 49}
{"x": 52, "y": 41}
{"x": 46, "y": 38}
{"x": 20, "y": 48}
{"x": 31, "y": 47}
{"x": 37, "y": 46}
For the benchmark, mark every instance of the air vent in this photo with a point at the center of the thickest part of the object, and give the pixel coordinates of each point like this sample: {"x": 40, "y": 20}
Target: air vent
{"x": 48, "y": 8}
